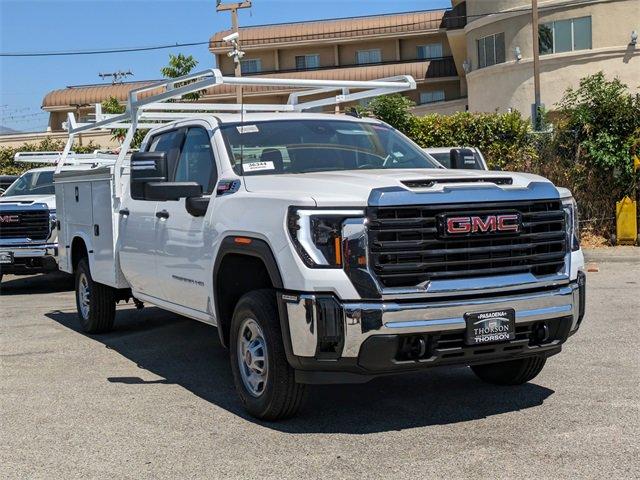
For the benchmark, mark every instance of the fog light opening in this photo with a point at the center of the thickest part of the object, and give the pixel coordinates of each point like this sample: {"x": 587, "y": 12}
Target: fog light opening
{"x": 540, "y": 333}
{"x": 414, "y": 347}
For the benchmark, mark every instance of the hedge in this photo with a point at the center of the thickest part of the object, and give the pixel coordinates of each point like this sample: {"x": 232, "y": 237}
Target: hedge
{"x": 9, "y": 167}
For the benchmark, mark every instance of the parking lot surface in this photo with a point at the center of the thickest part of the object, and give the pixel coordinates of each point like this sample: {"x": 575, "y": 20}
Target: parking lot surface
{"x": 155, "y": 399}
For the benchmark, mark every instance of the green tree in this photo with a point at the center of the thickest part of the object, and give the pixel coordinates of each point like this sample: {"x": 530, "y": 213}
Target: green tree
{"x": 180, "y": 65}
{"x": 392, "y": 109}
{"x": 600, "y": 123}
{"x": 112, "y": 105}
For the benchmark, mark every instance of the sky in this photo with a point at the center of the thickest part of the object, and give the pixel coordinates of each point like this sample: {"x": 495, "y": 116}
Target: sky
{"x": 63, "y": 25}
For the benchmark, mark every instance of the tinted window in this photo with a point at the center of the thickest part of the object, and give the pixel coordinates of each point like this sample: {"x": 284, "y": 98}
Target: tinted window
{"x": 196, "y": 162}
{"x": 32, "y": 183}
{"x": 168, "y": 142}
{"x": 300, "y": 146}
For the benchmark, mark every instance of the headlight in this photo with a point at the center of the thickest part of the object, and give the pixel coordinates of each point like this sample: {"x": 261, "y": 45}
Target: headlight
{"x": 573, "y": 228}
{"x": 317, "y": 234}
{"x": 53, "y": 217}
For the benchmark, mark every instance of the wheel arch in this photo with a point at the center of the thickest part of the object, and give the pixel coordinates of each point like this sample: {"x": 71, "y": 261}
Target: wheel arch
{"x": 252, "y": 256}
{"x": 80, "y": 246}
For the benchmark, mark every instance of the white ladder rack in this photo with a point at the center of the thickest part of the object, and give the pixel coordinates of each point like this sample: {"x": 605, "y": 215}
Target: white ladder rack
{"x": 72, "y": 158}
{"x": 154, "y": 109}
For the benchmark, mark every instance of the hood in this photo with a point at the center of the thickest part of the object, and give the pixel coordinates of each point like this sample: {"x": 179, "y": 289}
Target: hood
{"x": 353, "y": 188}
{"x": 49, "y": 200}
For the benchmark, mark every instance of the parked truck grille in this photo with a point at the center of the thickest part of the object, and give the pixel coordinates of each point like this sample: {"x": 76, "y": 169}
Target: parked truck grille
{"x": 407, "y": 245}
{"x": 33, "y": 224}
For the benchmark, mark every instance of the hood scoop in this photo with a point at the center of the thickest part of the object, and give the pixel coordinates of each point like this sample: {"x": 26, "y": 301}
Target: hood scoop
{"x": 428, "y": 183}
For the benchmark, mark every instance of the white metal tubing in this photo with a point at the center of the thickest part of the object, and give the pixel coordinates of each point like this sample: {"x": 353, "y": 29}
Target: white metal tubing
{"x": 67, "y": 147}
{"x": 200, "y": 80}
{"x": 217, "y": 107}
{"x": 306, "y": 83}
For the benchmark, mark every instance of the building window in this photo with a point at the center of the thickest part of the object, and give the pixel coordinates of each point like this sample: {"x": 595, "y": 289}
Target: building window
{"x": 433, "y": 50}
{"x": 430, "y": 97}
{"x": 253, "y": 65}
{"x": 369, "y": 56}
{"x": 491, "y": 50}
{"x": 565, "y": 35}
{"x": 307, "y": 61}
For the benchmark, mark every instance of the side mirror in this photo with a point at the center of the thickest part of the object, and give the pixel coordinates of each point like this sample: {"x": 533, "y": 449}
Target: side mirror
{"x": 147, "y": 167}
{"x": 163, "y": 191}
{"x": 197, "y": 206}
{"x": 462, "y": 158}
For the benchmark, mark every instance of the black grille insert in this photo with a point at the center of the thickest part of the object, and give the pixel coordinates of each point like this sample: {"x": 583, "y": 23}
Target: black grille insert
{"x": 407, "y": 248}
{"x": 31, "y": 224}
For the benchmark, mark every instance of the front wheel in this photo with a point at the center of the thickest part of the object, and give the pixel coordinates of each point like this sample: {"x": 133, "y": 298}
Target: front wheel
{"x": 263, "y": 378}
{"x": 95, "y": 302}
{"x": 512, "y": 372}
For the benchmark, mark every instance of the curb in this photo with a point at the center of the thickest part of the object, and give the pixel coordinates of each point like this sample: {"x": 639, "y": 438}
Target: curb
{"x": 612, "y": 254}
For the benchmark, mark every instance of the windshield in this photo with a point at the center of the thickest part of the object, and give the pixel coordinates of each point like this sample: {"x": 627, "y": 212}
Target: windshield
{"x": 301, "y": 146}
{"x": 32, "y": 183}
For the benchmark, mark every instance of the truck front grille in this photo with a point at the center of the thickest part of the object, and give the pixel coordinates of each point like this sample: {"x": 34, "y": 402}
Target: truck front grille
{"x": 407, "y": 245}
{"x": 26, "y": 224}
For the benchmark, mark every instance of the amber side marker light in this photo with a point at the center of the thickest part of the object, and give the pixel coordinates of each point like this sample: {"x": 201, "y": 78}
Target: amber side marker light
{"x": 336, "y": 243}
{"x": 242, "y": 240}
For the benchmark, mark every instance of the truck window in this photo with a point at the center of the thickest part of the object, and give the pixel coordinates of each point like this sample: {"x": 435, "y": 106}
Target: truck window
{"x": 196, "y": 163}
{"x": 301, "y": 146}
{"x": 168, "y": 142}
{"x": 32, "y": 183}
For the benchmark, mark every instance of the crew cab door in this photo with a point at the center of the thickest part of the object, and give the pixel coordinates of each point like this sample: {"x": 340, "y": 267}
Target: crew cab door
{"x": 185, "y": 242}
{"x": 139, "y": 226}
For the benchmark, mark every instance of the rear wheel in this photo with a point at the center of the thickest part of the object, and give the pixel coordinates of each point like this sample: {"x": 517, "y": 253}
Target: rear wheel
{"x": 95, "y": 302}
{"x": 263, "y": 378}
{"x": 512, "y": 372}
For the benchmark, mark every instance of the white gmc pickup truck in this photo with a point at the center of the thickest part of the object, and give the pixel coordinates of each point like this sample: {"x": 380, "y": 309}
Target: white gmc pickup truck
{"x": 326, "y": 249}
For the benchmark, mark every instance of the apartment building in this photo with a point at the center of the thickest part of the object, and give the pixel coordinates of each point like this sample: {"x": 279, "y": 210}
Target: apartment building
{"x": 361, "y": 48}
{"x": 476, "y": 56}
{"x": 576, "y": 38}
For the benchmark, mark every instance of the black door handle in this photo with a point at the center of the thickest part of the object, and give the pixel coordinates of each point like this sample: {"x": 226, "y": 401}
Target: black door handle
{"x": 124, "y": 211}
{"x": 162, "y": 214}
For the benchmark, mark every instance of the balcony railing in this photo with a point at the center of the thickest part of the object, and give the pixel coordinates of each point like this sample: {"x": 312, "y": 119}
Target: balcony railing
{"x": 438, "y": 67}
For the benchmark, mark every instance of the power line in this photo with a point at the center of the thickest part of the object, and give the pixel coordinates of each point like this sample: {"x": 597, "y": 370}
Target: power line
{"x": 99, "y": 52}
{"x": 262, "y": 41}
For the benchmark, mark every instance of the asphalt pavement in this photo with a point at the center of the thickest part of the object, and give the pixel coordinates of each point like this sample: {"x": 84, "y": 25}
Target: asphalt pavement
{"x": 155, "y": 399}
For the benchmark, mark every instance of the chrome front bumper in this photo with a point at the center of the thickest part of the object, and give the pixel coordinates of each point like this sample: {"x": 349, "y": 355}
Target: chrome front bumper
{"x": 31, "y": 251}
{"x": 361, "y": 320}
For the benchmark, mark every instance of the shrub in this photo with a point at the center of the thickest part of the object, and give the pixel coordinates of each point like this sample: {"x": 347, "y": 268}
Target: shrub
{"x": 504, "y": 139}
{"x": 9, "y": 167}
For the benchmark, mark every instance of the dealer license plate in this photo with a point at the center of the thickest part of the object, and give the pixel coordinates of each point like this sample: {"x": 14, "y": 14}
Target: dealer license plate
{"x": 490, "y": 327}
{"x": 6, "y": 257}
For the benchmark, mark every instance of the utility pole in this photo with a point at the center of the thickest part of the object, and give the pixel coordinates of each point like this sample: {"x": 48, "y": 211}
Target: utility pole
{"x": 535, "y": 111}
{"x": 233, "y": 8}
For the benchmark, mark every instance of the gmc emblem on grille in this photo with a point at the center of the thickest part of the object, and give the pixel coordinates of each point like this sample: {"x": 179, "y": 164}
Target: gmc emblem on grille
{"x": 9, "y": 219}
{"x": 507, "y": 223}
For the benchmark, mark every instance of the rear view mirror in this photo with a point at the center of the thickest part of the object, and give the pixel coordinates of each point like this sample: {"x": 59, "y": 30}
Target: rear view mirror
{"x": 462, "y": 158}
{"x": 147, "y": 167}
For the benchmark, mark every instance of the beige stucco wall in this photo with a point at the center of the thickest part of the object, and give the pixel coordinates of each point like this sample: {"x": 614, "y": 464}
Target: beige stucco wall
{"x": 348, "y": 50}
{"x": 443, "y": 108}
{"x": 409, "y": 46}
{"x": 288, "y": 57}
{"x": 510, "y": 85}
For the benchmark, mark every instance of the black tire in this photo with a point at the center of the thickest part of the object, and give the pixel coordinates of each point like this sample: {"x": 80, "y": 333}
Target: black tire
{"x": 281, "y": 396}
{"x": 101, "y": 312}
{"x": 512, "y": 372}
